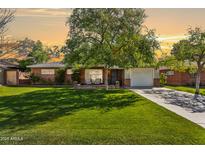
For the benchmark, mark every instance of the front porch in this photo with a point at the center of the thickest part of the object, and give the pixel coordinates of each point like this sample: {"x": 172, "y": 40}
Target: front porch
{"x": 95, "y": 86}
{"x": 97, "y": 76}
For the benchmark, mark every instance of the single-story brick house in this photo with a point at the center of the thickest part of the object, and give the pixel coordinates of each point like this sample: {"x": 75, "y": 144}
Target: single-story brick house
{"x": 177, "y": 78}
{"x": 9, "y": 73}
{"x": 96, "y": 75}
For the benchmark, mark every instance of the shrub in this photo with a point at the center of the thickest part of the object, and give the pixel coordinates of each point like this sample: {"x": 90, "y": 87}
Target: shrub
{"x": 76, "y": 75}
{"x": 117, "y": 84}
{"x": 60, "y": 76}
{"x": 163, "y": 79}
{"x": 34, "y": 78}
{"x": 24, "y": 63}
{"x": 46, "y": 81}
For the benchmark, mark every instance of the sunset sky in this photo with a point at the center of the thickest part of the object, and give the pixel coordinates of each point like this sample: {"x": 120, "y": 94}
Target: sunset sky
{"x": 48, "y": 25}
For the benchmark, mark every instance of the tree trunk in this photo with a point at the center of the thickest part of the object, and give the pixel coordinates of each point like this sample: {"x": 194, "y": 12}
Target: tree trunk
{"x": 106, "y": 78}
{"x": 198, "y": 78}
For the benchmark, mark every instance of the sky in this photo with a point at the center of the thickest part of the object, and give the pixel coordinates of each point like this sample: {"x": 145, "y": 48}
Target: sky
{"x": 48, "y": 25}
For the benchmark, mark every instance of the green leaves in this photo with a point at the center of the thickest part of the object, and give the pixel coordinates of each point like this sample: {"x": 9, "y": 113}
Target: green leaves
{"x": 191, "y": 49}
{"x": 109, "y": 37}
{"x": 38, "y": 54}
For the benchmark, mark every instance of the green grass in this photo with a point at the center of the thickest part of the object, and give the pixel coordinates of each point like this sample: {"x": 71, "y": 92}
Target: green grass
{"x": 68, "y": 116}
{"x": 187, "y": 89}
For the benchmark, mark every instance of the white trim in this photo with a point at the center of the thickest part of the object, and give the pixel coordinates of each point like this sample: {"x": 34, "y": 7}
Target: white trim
{"x": 47, "y": 71}
{"x": 69, "y": 71}
{"x": 93, "y": 75}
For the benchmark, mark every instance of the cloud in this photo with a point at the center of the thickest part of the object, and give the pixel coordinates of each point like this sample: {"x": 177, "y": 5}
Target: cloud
{"x": 43, "y": 12}
{"x": 172, "y": 38}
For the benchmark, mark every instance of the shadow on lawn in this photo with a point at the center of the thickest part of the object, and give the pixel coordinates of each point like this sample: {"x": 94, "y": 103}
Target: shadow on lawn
{"x": 28, "y": 109}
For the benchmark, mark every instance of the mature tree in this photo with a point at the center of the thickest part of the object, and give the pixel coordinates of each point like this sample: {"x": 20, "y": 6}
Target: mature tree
{"x": 54, "y": 51}
{"x": 25, "y": 46}
{"x": 191, "y": 52}
{"x": 24, "y": 63}
{"x": 109, "y": 37}
{"x": 38, "y": 53}
{"x": 6, "y": 16}
{"x": 8, "y": 46}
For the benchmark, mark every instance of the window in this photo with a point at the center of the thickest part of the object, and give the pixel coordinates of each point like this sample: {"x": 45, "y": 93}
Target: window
{"x": 48, "y": 71}
{"x": 69, "y": 71}
{"x": 170, "y": 73}
{"x": 94, "y": 76}
{"x": 127, "y": 73}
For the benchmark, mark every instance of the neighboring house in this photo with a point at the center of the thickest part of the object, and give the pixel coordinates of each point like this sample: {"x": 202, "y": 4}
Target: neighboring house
{"x": 9, "y": 73}
{"x": 47, "y": 71}
{"x": 181, "y": 78}
{"x": 96, "y": 75}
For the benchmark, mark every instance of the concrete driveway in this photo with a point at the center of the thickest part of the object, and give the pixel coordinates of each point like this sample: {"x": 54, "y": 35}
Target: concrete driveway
{"x": 182, "y": 103}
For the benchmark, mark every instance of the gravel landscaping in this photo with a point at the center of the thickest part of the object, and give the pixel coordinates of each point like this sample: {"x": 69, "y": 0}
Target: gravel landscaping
{"x": 183, "y": 99}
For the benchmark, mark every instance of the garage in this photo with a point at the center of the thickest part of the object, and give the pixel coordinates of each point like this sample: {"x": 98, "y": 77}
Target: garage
{"x": 140, "y": 77}
{"x": 11, "y": 77}
{"x": 8, "y": 73}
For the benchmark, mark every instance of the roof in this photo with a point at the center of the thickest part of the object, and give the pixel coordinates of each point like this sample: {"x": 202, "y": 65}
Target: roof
{"x": 7, "y": 65}
{"x": 48, "y": 65}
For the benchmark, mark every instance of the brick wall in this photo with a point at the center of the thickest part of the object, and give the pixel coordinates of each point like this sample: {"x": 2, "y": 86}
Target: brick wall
{"x": 82, "y": 76}
{"x": 156, "y": 82}
{"x": 36, "y": 71}
{"x": 104, "y": 73}
{"x": 24, "y": 81}
{"x": 46, "y": 77}
{"x": 68, "y": 78}
{"x": 127, "y": 82}
{"x": 50, "y": 77}
{"x": 182, "y": 78}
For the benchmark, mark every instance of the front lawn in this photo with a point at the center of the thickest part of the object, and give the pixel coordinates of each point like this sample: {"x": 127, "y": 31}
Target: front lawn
{"x": 68, "y": 116}
{"x": 186, "y": 89}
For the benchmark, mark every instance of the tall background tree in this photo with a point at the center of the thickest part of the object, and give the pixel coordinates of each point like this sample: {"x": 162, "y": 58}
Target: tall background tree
{"x": 6, "y": 16}
{"x": 36, "y": 53}
{"x": 190, "y": 53}
{"x": 25, "y": 46}
{"x": 109, "y": 37}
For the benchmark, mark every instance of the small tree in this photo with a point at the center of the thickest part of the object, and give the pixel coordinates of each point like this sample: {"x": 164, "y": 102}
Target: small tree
{"x": 76, "y": 75}
{"x": 191, "y": 52}
{"x": 163, "y": 79}
{"x": 24, "y": 63}
{"x": 60, "y": 76}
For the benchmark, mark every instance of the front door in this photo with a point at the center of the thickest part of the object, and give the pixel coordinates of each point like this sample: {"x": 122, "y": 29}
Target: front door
{"x": 113, "y": 76}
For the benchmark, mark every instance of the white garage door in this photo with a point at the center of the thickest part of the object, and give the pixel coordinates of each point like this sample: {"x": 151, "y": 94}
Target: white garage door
{"x": 141, "y": 77}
